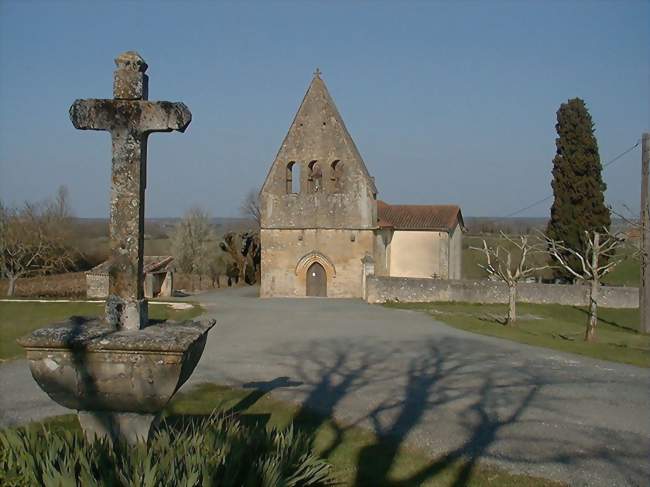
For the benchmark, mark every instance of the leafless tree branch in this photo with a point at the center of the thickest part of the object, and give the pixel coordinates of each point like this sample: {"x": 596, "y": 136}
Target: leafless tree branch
{"x": 502, "y": 265}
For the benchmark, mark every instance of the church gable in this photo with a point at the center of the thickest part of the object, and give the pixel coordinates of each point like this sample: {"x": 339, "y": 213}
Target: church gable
{"x": 318, "y": 178}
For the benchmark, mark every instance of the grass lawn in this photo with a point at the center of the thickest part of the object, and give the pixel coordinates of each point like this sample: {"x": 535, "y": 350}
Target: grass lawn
{"x": 18, "y": 319}
{"x": 627, "y": 273}
{"x": 358, "y": 457}
{"x": 542, "y": 324}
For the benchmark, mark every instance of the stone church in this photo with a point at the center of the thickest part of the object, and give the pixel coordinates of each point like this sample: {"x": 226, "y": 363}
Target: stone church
{"x": 321, "y": 222}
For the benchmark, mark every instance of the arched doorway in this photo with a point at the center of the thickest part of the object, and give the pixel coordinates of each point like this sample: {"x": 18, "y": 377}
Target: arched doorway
{"x": 316, "y": 280}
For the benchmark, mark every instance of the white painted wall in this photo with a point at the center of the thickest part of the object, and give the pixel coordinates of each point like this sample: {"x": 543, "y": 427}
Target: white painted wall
{"x": 419, "y": 254}
{"x": 456, "y": 253}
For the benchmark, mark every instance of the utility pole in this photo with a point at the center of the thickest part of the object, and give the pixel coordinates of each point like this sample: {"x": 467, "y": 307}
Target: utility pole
{"x": 644, "y": 289}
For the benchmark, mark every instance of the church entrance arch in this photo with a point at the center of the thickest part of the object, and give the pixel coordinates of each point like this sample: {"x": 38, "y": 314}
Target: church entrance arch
{"x": 316, "y": 280}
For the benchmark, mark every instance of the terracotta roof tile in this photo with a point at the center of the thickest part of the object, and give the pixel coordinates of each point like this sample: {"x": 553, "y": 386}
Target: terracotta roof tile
{"x": 152, "y": 263}
{"x": 418, "y": 217}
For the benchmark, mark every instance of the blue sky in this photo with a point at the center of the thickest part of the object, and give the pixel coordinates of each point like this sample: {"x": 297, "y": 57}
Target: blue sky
{"x": 447, "y": 102}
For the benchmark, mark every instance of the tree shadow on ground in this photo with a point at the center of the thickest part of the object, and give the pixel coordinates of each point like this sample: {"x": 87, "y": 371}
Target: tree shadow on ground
{"x": 609, "y": 322}
{"x": 452, "y": 400}
{"x": 490, "y": 318}
{"x": 261, "y": 389}
{"x": 258, "y": 390}
{"x": 468, "y": 398}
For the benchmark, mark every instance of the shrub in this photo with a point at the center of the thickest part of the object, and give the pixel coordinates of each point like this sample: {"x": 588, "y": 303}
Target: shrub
{"x": 217, "y": 450}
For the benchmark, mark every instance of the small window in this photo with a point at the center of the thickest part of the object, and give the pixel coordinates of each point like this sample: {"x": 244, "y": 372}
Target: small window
{"x": 335, "y": 176}
{"x": 292, "y": 180}
{"x": 315, "y": 177}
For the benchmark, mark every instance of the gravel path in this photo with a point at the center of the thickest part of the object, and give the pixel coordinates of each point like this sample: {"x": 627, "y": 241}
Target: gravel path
{"x": 403, "y": 374}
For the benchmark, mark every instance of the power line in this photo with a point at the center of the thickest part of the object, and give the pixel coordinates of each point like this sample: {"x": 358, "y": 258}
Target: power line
{"x": 607, "y": 164}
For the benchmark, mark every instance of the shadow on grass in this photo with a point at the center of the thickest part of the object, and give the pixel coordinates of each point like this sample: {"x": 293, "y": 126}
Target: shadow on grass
{"x": 467, "y": 399}
{"x": 444, "y": 392}
{"x": 493, "y": 319}
{"x": 609, "y": 322}
{"x": 258, "y": 390}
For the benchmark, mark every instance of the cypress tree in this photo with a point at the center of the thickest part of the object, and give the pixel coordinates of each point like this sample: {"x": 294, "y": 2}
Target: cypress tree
{"x": 578, "y": 186}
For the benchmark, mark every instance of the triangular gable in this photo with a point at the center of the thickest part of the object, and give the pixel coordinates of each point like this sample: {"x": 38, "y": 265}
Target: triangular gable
{"x": 315, "y": 124}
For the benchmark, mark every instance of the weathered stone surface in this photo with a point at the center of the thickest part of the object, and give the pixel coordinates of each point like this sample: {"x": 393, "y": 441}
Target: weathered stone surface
{"x": 412, "y": 290}
{"x": 340, "y": 194}
{"x": 129, "y": 81}
{"x": 130, "y": 118}
{"x": 318, "y": 198}
{"x": 94, "y": 334}
{"x": 133, "y": 427}
{"x": 86, "y": 365}
{"x": 118, "y": 372}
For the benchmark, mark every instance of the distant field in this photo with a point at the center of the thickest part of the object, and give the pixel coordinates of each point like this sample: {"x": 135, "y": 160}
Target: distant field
{"x": 472, "y": 258}
{"x": 157, "y": 246}
{"x": 68, "y": 285}
{"x": 625, "y": 274}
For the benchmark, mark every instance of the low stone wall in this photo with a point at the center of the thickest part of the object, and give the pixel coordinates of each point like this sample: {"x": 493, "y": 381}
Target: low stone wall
{"x": 96, "y": 285}
{"x": 415, "y": 290}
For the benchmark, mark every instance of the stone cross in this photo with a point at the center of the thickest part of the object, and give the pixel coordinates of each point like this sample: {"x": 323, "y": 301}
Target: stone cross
{"x": 130, "y": 118}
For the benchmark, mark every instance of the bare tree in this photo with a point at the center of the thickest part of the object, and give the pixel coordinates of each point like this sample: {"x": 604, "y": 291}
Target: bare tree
{"x": 218, "y": 267}
{"x": 251, "y": 206}
{"x": 245, "y": 251}
{"x": 589, "y": 269}
{"x": 191, "y": 242}
{"x": 503, "y": 266}
{"x": 35, "y": 239}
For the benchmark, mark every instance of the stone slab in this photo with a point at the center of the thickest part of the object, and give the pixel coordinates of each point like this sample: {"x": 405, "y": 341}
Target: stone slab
{"x": 91, "y": 334}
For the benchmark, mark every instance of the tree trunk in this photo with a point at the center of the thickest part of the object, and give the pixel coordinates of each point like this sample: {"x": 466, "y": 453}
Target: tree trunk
{"x": 242, "y": 273}
{"x": 512, "y": 306}
{"x": 11, "y": 289}
{"x": 592, "y": 320}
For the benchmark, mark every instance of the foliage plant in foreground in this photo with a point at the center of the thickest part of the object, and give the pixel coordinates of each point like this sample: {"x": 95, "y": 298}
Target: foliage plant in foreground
{"x": 215, "y": 450}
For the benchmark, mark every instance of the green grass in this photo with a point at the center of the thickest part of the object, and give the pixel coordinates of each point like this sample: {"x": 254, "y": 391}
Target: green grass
{"x": 627, "y": 273}
{"x": 356, "y": 454}
{"x": 18, "y": 319}
{"x": 542, "y": 324}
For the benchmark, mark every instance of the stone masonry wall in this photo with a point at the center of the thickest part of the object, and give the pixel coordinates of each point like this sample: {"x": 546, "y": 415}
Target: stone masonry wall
{"x": 282, "y": 250}
{"x": 381, "y": 289}
{"x": 96, "y": 285}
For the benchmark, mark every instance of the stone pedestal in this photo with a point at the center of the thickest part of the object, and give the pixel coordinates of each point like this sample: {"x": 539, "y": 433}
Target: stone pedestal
{"x": 118, "y": 380}
{"x": 118, "y": 372}
{"x": 132, "y": 427}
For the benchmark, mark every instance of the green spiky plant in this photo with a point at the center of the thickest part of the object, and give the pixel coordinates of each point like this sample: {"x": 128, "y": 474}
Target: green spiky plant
{"x": 217, "y": 450}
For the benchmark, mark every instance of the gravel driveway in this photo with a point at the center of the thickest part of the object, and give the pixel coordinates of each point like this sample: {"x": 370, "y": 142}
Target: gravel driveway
{"x": 403, "y": 374}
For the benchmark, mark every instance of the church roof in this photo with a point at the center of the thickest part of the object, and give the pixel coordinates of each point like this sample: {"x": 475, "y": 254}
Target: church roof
{"x": 419, "y": 217}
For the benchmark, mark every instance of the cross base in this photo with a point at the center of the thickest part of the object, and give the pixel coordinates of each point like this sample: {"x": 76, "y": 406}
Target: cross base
{"x": 130, "y": 427}
{"x": 126, "y": 314}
